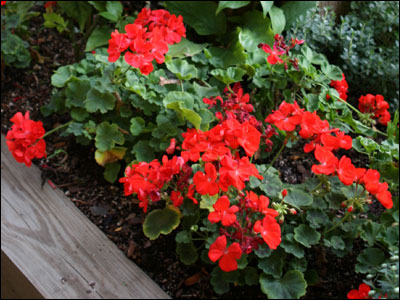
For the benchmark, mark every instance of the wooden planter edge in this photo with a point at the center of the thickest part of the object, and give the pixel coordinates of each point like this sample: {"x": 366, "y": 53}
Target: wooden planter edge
{"x": 56, "y": 247}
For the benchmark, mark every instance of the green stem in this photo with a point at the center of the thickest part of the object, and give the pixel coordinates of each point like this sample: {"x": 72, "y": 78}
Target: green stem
{"x": 276, "y": 156}
{"x": 182, "y": 85}
{"x": 229, "y": 89}
{"x": 316, "y": 188}
{"x": 57, "y": 128}
{"x": 338, "y": 223}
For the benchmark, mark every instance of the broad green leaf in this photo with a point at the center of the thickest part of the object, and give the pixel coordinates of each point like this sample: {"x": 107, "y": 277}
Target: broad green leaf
{"x": 76, "y": 92}
{"x": 62, "y": 76}
{"x": 290, "y": 286}
{"x": 183, "y": 237}
{"x": 299, "y": 264}
{"x": 219, "y": 283}
{"x": 107, "y": 136}
{"x": 206, "y": 118}
{"x": 273, "y": 265}
{"x": 205, "y": 92}
{"x": 277, "y": 19}
{"x": 114, "y": 11}
{"x": 333, "y": 72}
{"x": 78, "y": 10}
{"x": 234, "y": 54}
{"x": 79, "y": 114}
{"x": 306, "y": 235}
{"x": 137, "y": 126}
{"x": 110, "y": 156}
{"x": 208, "y": 201}
{"x": 266, "y": 6}
{"x": 271, "y": 185}
{"x": 56, "y": 104}
{"x": 187, "y": 253}
{"x": 230, "y": 4}
{"x": 183, "y": 97}
{"x": 161, "y": 221}
{"x": 52, "y": 20}
{"x": 182, "y": 69}
{"x": 255, "y": 29}
{"x": 251, "y": 276}
{"x": 99, "y": 37}
{"x": 231, "y": 75}
{"x": 143, "y": 151}
{"x": 185, "y": 48}
{"x": 192, "y": 116}
{"x": 294, "y": 9}
{"x": 369, "y": 232}
{"x": 291, "y": 246}
{"x": 111, "y": 172}
{"x": 75, "y": 129}
{"x": 97, "y": 101}
{"x": 317, "y": 217}
{"x": 298, "y": 198}
{"x": 200, "y": 15}
{"x": 369, "y": 259}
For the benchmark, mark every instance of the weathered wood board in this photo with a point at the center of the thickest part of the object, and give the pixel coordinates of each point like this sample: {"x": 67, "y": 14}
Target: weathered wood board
{"x": 56, "y": 247}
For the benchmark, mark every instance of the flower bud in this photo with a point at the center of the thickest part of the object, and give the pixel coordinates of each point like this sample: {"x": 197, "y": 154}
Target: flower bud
{"x": 284, "y": 193}
{"x": 343, "y": 204}
{"x": 370, "y": 276}
{"x": 371, "y": 293}
{"x": 350, "y": 208}
{"x": 383, "y": 265}
{"x": 396, "y": 290}
{"x": 394, "y": 268}
{"x": 281, "y": 219}
{"x": 293, "y": 211}
{"x": 394, "y": 258}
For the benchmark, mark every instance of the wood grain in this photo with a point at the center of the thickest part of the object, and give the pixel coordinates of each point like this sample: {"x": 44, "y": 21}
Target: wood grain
{"x": 56, "y": 247}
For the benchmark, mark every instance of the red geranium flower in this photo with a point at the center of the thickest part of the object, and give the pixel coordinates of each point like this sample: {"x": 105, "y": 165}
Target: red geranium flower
{"x": 24, "y": 140}
{"x": 327, "y": 159}
{"x": 227, "y": 257}
{"x": 346, "y": 171}
{"x": 384, "y": 196}
{"x": 273, "y": 56}
{"x": 287, "y": 117}
{"x": 176, "y": 198}
{"x": 361, "y": 293}
{"x": 270, "y": 231}
{"x": 371, "y": 181}
{"x": 222, "y": 212}
{"x": 206, "y": 183}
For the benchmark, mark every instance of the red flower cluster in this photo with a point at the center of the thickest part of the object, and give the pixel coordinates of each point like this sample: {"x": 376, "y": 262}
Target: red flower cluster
{"x": 235, "y": 106}
{"x": 49, "y": 4}
{"x": 148, "y": 39}
{"x": 24, "y": 140}
{"x": 323, "y": 142}
{"x": 376, "y": 105}
{"x": 361, "y": 293}
{"x": 280, "y": 48}
{"x": 3, "y": 3}
{"x": 341, "y": 86}
{"x": 147, "y": 179}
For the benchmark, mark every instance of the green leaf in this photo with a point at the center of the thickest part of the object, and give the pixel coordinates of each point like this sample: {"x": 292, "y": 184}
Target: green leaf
{"x": 333, "y": 72}
{"x": 78, "y": 10}
{"x": 107, "y": 136}
{"x": 294, "y": 9}
{"x": 76, "y": 92}
{"x": 336, "y": 242}
{"x": 161, "y": 221}
{"x": 255, "y": 29}
{"x": 219, "y": 283}
{"x": 206, "y": 118}
{"x": 187, "y": 253}
{"x": 290, "y": 286}
{"x": 97, "y": 101}
{"x": 266, "y": 6}
{"x": 290, "y": 246}
{"x": 137, "y": 126}
{"x": 182, "y": 69}
{"x": 185, "y": 48}
{"x": 225, "y": 57}
{"x": 306, "y": 235}
{"x": 99, "y": 37}
{"x": 52, "y": 20}
{"x": 317, "y": 218}
{"x": 111, "y": 172}
{"x": 62, "y": 76}
{"x": 273, "y": 265}
{"x": 114, "y": 10}
{"x": 79, "y": 114}
{"x": 183, "y": 237}
{"x": 205, "y": 92}
{"x": 369, "y": 259}
{"x": 251, "y": 276}
{"x": 200, "y": 15}
{"x": 271, "y": 185}
{"x": 369, "y": 231}
{"x": 277, "y": 19}
{"x": 184, "y": 98}
{"x": 298, "y": 198}
{"x": 230, "y": 4}
{"x": 208, "y": 201}
{"x": 143, "y": 151}
{"x": 231, "y": 75}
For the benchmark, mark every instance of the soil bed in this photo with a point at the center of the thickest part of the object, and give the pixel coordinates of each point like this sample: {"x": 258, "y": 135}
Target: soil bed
{"x": 81, "y": 179}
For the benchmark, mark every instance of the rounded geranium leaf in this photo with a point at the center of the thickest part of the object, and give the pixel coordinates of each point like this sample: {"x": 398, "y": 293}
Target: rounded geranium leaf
{"x": 161, "y": 221}
{"x": 290, "y": 286}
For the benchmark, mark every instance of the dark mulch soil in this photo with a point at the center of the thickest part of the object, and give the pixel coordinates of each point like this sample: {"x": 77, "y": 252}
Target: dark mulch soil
{"x": 81, "y": 179}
